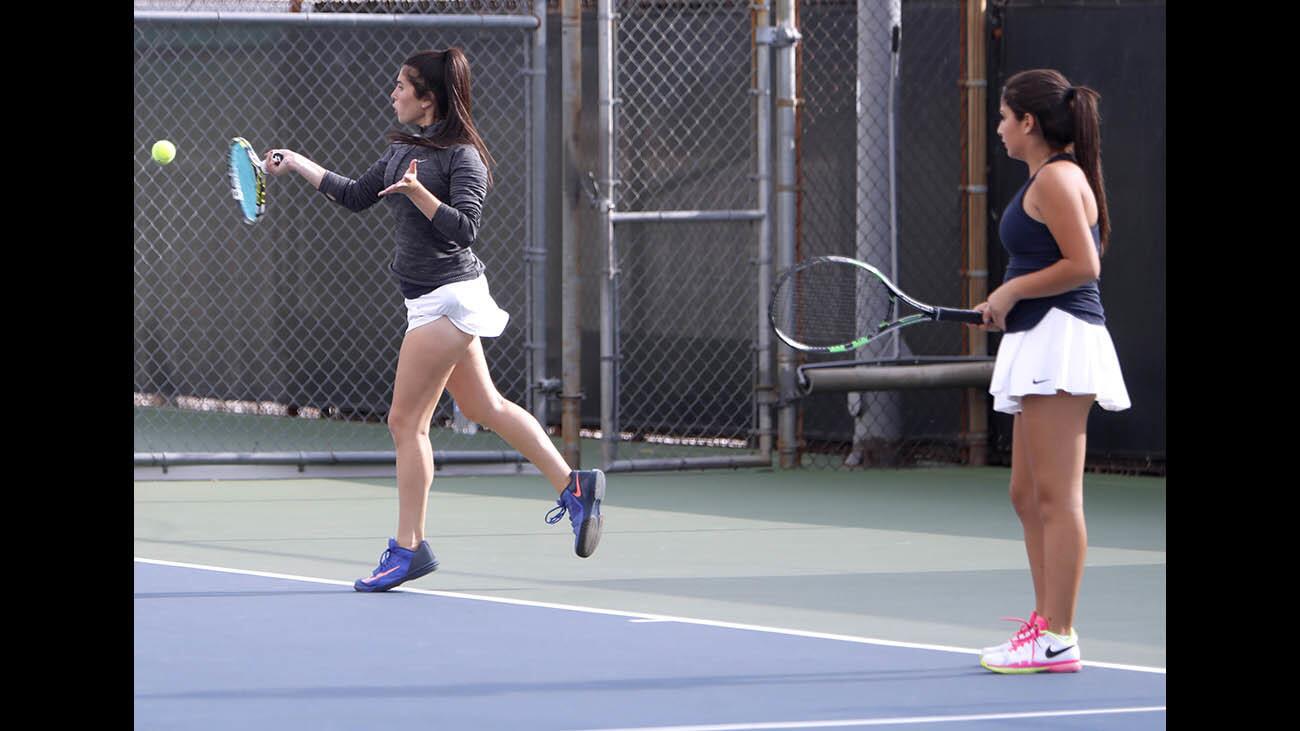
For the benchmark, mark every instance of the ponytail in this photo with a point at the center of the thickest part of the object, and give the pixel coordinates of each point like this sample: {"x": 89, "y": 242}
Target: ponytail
{"x": 1087, "y": 150}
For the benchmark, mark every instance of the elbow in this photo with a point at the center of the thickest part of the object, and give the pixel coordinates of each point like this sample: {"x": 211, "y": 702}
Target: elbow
{"x": 455, "y": 224}
{"x": 347, "y": 201}
{"x": 467, "y": 226}
{"x": 1085, "y": 269}
{"x": 1089, "y": 273}
{"x": 352, "y": 202}
{"x": 461, "y": 228}
{"x": 462, "y": 235}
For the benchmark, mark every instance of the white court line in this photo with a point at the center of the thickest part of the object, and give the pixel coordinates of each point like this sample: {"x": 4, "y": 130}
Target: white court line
{"x": 636, "y": 615}
{"x": 887, "y": 721}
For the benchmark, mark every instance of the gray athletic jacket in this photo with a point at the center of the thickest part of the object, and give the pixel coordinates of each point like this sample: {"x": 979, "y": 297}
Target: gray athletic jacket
{"x": 429, "y": 253}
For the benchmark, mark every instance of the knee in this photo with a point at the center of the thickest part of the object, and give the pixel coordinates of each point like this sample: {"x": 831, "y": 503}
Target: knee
{"x": 403, "y": 424}
{"x": 1023, "y": 500}
{"x": 1056, "y": 505}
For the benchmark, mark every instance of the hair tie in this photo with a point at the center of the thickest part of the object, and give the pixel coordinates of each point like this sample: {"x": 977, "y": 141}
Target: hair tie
{"x": 1069, "y": 95}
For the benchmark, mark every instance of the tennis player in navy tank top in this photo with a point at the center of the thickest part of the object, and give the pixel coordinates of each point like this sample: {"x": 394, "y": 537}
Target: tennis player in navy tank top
{"x": 1056, "y": 357}
{"x": 434, "y": 183}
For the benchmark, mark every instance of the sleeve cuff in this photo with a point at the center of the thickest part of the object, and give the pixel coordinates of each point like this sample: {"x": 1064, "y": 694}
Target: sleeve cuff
{"x": 332, "y": 185}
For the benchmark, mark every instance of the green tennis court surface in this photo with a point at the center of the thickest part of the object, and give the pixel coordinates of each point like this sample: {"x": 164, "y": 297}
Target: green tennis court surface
{"x": 931, "y": 556}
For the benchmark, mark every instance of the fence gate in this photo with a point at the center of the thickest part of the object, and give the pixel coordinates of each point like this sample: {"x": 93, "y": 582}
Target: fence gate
{"x": 684, "y": 109}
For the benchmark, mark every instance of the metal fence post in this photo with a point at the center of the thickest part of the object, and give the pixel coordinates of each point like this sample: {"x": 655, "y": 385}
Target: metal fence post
{"x": 571, "y": 186}
{"x": 537, "y": 244}
{"x": 605, "y": 18}
{"x": 786, "y": 182}
{"x": 766, "y": 392}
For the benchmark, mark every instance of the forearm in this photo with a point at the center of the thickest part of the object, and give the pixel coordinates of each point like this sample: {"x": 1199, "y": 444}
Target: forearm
{"x": 309, "y": 170}
{"x": 1060, "y": 277}
{"x": 427, "y": 202}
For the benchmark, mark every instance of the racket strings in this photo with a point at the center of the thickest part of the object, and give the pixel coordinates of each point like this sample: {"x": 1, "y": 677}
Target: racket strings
{"x": 248, "y": 182}
{"x": 825, "y": 305}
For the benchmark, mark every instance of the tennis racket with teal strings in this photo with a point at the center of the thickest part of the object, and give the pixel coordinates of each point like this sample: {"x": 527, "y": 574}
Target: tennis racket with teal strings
{"x": 248, "y": 179}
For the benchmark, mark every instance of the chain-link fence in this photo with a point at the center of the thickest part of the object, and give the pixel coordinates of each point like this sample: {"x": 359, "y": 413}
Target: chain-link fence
{"x": 852, "y": 85}
{"x": 284, "y": 335}
{"x": 685, "y": 310}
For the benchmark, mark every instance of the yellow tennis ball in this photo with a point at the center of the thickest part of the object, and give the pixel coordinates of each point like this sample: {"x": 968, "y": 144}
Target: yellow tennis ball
{"x": 163, "y": 151}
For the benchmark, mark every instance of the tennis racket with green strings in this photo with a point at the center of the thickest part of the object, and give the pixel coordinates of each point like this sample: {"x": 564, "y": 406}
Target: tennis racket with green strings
{"x": 834, "y": 304}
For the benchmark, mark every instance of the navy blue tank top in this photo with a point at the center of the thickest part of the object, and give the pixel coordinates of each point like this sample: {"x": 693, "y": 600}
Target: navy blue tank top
{"x": 1032, "y": 247}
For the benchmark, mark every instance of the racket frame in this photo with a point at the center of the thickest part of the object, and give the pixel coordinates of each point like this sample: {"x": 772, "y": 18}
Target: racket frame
{"x": 239, "y": 145}
{"x": 925, "y": 313}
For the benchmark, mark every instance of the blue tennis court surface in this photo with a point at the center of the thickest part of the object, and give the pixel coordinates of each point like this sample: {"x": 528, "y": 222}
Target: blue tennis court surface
{"x": 220, "y": 650}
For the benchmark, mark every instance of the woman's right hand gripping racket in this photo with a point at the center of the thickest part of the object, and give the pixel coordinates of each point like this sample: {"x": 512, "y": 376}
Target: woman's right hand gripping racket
{"x": 834, "y": 304}
{"x": 248, "y": 179}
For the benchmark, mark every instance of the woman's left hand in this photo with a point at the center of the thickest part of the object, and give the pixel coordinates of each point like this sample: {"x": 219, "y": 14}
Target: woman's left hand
{"x": 995, "y": 309}
{"x": 407, "y": 185}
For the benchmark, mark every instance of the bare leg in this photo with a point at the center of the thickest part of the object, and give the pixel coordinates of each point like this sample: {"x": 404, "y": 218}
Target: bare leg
{"x": 428, "y": 355}
{"x": 1055, "y": 430}
{"x": 1024, "y": 498}
{"x": 471, "y": 385}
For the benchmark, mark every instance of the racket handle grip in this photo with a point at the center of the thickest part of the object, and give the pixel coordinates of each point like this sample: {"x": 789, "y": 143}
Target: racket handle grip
{"x": 971, "y": 316}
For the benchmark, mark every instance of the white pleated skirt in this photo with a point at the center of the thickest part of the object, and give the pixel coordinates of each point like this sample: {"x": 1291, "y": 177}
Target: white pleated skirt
{"x": 1060, "y": 353}
{"x": 469, "y": 306}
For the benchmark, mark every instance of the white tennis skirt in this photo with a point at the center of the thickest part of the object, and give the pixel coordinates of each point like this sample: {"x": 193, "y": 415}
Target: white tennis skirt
{"x": 1060, "y": 353}
{"x": 468, "y": 305}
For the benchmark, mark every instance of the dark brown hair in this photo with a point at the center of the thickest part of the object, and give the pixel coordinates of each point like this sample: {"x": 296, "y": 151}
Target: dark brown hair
{"x": 444, "y": 75}
{"x": 1066, "y": 115}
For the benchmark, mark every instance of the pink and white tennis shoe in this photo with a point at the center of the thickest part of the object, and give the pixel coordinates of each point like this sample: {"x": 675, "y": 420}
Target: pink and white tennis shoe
{"x": 1038, "y": 651}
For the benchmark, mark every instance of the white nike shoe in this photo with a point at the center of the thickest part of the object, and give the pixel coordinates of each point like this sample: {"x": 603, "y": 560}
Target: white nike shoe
{"x": 1039, "y": 651}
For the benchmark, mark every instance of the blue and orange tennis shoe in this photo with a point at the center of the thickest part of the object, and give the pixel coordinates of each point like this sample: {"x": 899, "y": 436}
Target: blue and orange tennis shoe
{"x": 581, "y": 499}
{"x": 1036, "y": 651}
{"x": 399, "y": 565}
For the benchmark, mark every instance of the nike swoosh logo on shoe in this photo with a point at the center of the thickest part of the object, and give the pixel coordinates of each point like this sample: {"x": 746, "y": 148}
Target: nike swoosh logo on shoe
{"x": 380, "y": 576}
{"x": 577, "y": 485}
{"x": 1051, "y": 654}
